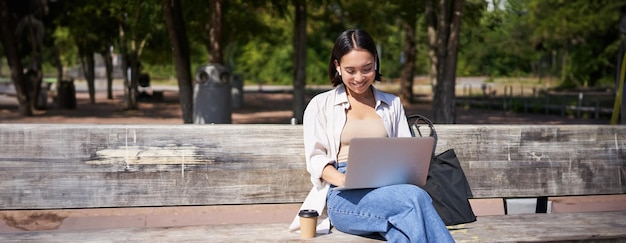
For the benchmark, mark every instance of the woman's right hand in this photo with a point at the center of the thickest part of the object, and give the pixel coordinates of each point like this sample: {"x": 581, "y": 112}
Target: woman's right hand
{"x": 331, "y": 175}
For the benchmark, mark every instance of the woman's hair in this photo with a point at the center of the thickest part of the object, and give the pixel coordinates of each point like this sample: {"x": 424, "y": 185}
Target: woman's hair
{"x": 349, "y": 40}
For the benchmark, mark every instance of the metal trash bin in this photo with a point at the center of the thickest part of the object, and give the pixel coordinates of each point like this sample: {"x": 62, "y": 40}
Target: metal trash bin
{"x": 212, "y": 95}
{"x": 144, "y": 80}
{"x": 66, "y": 94}
{"x": 42, "y": 99}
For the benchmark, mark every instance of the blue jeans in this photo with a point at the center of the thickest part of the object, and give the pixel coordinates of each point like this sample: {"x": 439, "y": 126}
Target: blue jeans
{"x": 399, "y": 213}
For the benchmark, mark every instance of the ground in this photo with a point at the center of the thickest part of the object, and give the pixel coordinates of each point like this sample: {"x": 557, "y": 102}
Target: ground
{"x": 259, "y": 106}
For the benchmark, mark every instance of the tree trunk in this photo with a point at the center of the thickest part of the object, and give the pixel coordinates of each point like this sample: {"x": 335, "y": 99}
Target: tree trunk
{"x": 35, "y": 30}
{"x": 91, "y": 77}
{"x": 451, "y": 62}
{"x": 444, "y": 104}
{"x": 408, "y": 68}
{"x": 623, "y": 106}
{"x": 88, "y": 64}
{"x": 108, "y": 65}
{"x": 299, "y": 47}
{"x": 58, "y": 65}
{"x": 564, "y": 60}
{"x": 129, "y": 66}
{"x": 33, "y": 86}
{"x": 124, "y": 64}
{"x": 431, "y": 22}
{"x": 178, "y": 38}
{"x": 215, "y": 32}
{"x": 622, "y": 29}
{"x": 13, "y": 58}
{"x": 133, "y": 63}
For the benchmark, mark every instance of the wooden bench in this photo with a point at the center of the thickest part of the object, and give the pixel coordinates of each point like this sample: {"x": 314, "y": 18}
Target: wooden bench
{"x": 48, "y": 171}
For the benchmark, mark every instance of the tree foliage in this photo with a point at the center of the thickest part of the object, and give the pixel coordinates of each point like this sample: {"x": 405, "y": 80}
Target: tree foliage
{"x": 574, "y": 40}
{"x": 516, "y": 40}
{"x": 584, "y": 32}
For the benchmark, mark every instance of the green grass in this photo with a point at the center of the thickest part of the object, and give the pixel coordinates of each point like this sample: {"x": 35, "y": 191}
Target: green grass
{"x": 523, "y": 80}
{"x": 45, "y": 80}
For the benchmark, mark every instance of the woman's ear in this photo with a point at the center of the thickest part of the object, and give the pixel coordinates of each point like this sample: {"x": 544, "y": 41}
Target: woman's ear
{"x": 337, "y": 67}
{"x": 376, "y": 63}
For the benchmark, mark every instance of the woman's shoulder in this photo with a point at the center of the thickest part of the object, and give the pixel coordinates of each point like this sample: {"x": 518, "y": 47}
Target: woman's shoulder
{"x": 326, "y": 96}
{"x": 320, "y": 100}
{"x": 386, "y": 97}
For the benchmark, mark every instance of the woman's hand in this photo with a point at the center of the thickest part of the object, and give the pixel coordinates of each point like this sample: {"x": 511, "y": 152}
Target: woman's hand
{"x": 331, "y": 175}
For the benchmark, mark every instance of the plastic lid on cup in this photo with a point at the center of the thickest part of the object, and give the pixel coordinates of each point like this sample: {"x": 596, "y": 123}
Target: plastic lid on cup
{"x": 308, "y": 213}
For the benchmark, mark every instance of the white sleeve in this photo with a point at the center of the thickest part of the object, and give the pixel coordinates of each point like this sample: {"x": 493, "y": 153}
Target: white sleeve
{"x": 316, "y": 143}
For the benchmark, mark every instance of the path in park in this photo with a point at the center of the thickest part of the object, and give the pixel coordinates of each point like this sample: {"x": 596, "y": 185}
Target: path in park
{"x": 265, "y": 105}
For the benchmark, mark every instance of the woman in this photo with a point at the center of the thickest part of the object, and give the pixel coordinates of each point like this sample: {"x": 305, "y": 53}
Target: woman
{"x": 355, "y": 108}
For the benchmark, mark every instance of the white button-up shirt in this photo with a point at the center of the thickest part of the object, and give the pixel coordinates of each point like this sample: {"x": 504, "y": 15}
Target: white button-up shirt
{"x": 324, "y": 119}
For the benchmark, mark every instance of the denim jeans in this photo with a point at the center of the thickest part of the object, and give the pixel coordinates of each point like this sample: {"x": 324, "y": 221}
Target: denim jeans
{"x": 399, "y": 213}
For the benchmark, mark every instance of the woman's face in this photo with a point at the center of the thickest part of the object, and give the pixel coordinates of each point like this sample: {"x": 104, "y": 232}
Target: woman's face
{"x": 357, "y": 70}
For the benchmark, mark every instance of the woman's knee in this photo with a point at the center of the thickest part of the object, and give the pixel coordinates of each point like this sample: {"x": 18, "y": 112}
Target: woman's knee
{"x": 415, "y": 192}
{"x": 413, "y": 189}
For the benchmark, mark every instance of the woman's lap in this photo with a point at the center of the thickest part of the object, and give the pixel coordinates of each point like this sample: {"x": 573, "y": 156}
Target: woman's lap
{"x": 365, "y": 211}
{"x": 400, "y": 213}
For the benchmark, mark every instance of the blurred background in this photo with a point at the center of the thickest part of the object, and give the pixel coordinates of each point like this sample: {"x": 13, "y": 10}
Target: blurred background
{"x": 532, "y": 56}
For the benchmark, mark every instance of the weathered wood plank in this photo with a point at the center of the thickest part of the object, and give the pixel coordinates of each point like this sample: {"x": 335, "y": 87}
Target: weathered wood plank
{"x": 575, "y": 227}
{"x": 561, "y": 227}
{"x": 539, "y": 160}
{"x": 79, "y": 166}
{"x": 208, "y": 233}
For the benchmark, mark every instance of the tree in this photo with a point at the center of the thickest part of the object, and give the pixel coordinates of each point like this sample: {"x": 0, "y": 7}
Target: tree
{"x": 14, "y": 59}
{"x": 583, "y": 33}
{"x": 56, "y": 39}
{"x": 30, "y": 30}
{"x": 133, "y": 22}
{"x": 409, "y": 49}
{"x": 446, "y": 44}
{"x": 131, "y": 29}
{"x": 299, "y": 60}
{"x": 108, "y": 65}
{"x": 215, "y": 32}
{"x": 88, "y": 64}
{"x": 172, "y": 11}
{"x": 94, "y": 33}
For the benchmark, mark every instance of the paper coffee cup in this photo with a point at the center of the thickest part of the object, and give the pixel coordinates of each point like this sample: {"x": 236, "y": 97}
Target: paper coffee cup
{"x": 308, "y": 222}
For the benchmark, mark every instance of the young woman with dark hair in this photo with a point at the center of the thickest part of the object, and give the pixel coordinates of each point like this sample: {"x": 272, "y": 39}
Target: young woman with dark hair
{"x": 355, "y": 108}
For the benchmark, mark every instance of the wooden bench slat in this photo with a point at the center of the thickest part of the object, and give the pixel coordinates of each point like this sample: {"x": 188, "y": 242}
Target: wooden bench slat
{"x": 586, "y": 226}
{"x": 539, "y": 160}
{"x": 276, "y": 232}
{"x": 79, "y": 166}
{"x": 151, "y": 165}
{"x": 594, "y": 226}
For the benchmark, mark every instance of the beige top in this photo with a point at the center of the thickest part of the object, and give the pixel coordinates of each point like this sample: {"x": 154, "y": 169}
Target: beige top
{"x": 359, "y": 128}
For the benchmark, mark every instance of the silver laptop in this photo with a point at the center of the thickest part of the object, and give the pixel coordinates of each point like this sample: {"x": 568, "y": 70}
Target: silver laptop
{"x": 378, "y": 162}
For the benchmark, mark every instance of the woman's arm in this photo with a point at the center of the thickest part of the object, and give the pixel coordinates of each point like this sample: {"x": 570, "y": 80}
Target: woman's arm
{"x": 331, "y": 175}
{"x": 317, "y": 145}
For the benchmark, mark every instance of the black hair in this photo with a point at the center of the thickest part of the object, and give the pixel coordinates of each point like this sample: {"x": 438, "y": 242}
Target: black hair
{"x": 349, "y": 40}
